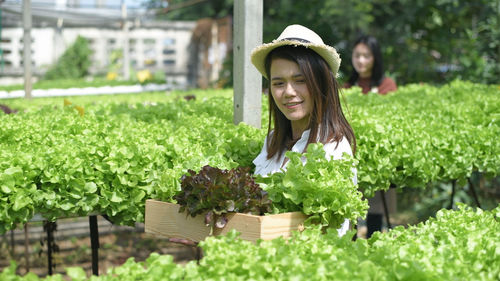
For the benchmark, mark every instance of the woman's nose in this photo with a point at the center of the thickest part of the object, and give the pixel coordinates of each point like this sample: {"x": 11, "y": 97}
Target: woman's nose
{"x": 289, "y": 89}
{"x": 365, "y": 60}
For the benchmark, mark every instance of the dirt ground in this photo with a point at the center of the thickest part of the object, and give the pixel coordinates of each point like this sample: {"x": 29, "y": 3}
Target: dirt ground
{"x": 117, "y": 244}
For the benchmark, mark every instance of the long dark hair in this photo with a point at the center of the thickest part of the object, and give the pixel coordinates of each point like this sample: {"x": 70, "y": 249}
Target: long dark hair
{"x": 378, "y": 64}
{"x": 327, "y": 119}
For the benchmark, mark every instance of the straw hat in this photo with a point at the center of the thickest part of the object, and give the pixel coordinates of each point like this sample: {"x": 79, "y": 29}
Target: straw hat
{"x": 296, "y": 35}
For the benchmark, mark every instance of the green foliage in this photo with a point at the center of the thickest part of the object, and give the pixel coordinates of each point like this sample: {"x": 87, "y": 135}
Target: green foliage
{"x": 180, "y": 10}
{"x": 455, "y": 245}
{"x": 121, "y": 100}
{"x": 72, "y": 83}
{"x": 128, "y": 148}
{"x": 216, "y": 192}
{"x": 116, "y": 60}
{"x": 320, "y": 188}
{"x": 74, "y": 63}
{"x": 57, "y": 163}
{"x": 423, "y": 134}
{"x": 422, "y": 40}
{"x": 424, "y": 203}
{"x": 439, "y": 41}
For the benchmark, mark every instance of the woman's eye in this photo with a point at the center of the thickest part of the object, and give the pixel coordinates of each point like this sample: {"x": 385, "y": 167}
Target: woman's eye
{"x": 277, "y": 84}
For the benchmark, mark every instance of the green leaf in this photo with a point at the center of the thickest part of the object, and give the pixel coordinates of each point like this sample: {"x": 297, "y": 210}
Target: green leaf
{"x": 116, "y": 198}
{"x": 13, "y": 170}
{"x": 90, "y": 187}
{"x": 76, "y": 273}
{"x": 5, "y": 189}
{"x": 21, "y": 200}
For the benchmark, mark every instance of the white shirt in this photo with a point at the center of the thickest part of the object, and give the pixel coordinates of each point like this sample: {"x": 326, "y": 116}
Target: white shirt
{"x": 264, "y": 166}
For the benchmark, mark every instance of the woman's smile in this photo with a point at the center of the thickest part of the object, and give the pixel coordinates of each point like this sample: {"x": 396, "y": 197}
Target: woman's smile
{"x": 293, "y": 105}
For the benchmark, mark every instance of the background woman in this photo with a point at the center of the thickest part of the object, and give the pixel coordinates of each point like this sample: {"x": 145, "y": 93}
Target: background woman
{"x": 368, "y": 68}
{"x": 368, "y": 74}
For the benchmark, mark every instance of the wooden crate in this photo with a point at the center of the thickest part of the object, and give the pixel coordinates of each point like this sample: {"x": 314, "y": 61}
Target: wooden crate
{"x": 164, "y": 219}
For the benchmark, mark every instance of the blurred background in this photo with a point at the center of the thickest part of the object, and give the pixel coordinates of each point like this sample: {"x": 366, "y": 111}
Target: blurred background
{"x": 188, "y": 43}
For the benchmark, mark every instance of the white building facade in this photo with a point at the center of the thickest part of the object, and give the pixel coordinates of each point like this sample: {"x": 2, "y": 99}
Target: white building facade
{"x": 162, "y": 46}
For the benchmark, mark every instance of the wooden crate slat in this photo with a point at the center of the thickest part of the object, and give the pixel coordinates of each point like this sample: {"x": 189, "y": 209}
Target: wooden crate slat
{"x": 163, "y": 218}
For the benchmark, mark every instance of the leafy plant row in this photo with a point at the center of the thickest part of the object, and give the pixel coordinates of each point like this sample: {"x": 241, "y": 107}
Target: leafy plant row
{"x": 455, "y": 245}
{"x": 422, "y": 134}
{"x": 70, "y": 83}
{"x": 125, "y": 149}
{"x": 102, "y": 162}
{"x": 55, "y": 162}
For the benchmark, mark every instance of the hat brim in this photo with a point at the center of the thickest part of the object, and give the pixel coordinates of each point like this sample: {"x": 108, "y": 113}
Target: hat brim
{"x": 328, "y": 53}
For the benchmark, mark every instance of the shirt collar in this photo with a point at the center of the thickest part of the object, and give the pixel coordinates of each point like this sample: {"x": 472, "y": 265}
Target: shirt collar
{"x": 300, "y": 145}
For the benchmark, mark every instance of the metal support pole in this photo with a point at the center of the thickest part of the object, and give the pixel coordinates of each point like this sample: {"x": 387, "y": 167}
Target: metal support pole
{"x": 26, "y": 248}
{"x": 473, "y": 191}
{"x": 453, "y": 184}
{"x": 199, "y": 254}
{"x": 355, "y": 236}
{"x": 4, "y": 240}
{"x": 386, "y": 211}
{"x": 49, "y": 228}
{"x": 27, "y": 48}
{"x": 2, "y": 64}
{"x": 126, "y": 49}
{"x": 247, "y": 80}
{"x": 94, "y": 244}
{"x": 198, "y": 251}
{"x": 12, "y": 243}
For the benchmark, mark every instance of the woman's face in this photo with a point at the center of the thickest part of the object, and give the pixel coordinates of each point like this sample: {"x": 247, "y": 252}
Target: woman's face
{"x": 290, "y": 93}
{"x": 362, "y": 60}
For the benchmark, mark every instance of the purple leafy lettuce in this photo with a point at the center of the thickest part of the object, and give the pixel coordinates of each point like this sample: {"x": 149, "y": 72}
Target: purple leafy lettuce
{"x": 216, "y": 192}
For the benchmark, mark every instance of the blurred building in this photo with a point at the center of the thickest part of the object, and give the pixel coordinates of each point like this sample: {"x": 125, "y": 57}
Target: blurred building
{"x": 211, "y": 45}
{"x": 164, "y": 46}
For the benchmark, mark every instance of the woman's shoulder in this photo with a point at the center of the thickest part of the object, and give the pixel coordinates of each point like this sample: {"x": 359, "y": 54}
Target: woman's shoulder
{"x": 336, "y": 149}
{"x": 387, "y": 85}
{"x": 346, "y": 85}
{"x": 388, "y": 80}
{"x": 263, "y": 165}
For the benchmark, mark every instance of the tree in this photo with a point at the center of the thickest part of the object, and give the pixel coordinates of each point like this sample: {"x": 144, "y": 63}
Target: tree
{"x": 74, "y": 63}
{"x": 191, "y": 9}
{"x": 422, "y": 40}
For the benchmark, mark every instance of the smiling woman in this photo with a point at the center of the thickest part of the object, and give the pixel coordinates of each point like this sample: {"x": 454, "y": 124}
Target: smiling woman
{"x": 290, "y": 93}
{"x": 305, "y": 105}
